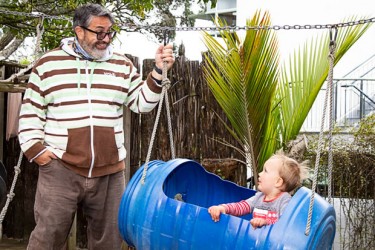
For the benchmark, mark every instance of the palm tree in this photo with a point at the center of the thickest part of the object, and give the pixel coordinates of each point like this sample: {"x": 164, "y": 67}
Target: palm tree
{"x": 266, "y": 103}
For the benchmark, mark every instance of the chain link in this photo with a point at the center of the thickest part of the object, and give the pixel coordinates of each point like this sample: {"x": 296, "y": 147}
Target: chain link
{"x": 33, "y": 15}
{"x": 258, "y": 27}
{"x": 127, "y": 26}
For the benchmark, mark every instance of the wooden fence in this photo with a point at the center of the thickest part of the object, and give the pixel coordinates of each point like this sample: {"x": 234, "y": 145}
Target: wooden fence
{"x": 194, "y": 119}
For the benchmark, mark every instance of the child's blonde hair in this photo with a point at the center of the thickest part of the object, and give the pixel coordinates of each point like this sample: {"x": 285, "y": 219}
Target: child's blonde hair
{"x": 292, "y": 172}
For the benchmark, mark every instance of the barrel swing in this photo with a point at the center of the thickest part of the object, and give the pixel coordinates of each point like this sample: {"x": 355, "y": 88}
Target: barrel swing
{"x": 169, "y": 208}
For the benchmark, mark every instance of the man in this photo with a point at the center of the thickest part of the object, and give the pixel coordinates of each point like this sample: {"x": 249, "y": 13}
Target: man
{"x": 71, "y": 126}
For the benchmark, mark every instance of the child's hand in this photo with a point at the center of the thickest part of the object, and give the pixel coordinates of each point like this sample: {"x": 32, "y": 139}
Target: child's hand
{"x": 258, "y": 222}
{"x": 215, "y": 212}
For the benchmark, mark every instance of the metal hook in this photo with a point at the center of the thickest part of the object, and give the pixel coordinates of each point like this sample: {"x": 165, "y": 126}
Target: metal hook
{"x": 166, "y": 36}
{"x": 333, "y": 34}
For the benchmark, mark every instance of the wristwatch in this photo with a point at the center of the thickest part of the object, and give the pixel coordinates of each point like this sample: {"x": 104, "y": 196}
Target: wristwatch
{"x": 159, "y": 71}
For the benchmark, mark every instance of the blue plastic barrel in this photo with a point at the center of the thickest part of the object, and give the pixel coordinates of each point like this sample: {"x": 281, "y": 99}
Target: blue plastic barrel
{"x": 169, "y": 211}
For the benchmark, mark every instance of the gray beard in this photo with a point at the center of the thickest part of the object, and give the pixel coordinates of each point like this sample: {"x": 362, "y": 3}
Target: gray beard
{"x": 94, "y": 52}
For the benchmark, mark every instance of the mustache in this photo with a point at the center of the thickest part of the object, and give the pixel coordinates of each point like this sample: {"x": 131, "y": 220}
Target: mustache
{"x": 101, "y": 42}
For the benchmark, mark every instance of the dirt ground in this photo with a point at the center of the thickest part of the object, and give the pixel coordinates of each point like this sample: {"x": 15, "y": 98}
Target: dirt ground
{"x": 12, "y": 244}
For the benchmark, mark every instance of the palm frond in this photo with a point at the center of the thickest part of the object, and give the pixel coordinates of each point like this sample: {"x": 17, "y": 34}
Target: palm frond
{"x": 243, "y": 76}
{"x": 265, "y": 103}
{"x": 301, "y": 79}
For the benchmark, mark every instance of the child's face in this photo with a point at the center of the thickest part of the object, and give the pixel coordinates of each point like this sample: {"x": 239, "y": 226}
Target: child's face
{"x": 269, "y": 178}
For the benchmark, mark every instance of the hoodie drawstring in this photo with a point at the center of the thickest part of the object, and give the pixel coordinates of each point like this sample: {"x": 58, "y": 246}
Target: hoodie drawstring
{"x": 90, "y": 75}
{"x": 78, "y": 73}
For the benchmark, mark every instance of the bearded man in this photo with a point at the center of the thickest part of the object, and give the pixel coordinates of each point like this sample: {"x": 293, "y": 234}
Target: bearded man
{"x": 71, "y": 125}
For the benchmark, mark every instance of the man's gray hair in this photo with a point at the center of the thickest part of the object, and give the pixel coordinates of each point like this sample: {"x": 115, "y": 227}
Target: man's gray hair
{"x": 84, "y": 14}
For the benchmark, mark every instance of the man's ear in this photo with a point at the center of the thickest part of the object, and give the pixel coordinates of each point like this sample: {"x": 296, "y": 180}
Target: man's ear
{"x": 79, "y": 32}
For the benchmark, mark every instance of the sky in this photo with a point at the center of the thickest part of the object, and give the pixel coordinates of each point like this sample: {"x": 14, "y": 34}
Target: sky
{"x": 286, "y": 12}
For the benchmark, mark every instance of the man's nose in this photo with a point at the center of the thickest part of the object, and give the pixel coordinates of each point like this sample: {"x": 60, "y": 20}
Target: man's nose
{"x": 106, "y": 38}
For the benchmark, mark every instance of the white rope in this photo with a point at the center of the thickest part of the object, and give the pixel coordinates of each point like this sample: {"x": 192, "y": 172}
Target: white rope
{"x": 167, "y": 83}
{"x": 39, "y": 35}
{"x": 17, "y": 171}
{"x": 329, "y": 94}
{"x": 164, "y": 96}
{"x": 17, "y": 168}
{"x": 331, "y": 121}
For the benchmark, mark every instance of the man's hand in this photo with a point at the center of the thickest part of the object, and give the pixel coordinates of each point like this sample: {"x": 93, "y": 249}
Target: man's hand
{"x": 163, "y": 54}
{"x": 45, "y": 158}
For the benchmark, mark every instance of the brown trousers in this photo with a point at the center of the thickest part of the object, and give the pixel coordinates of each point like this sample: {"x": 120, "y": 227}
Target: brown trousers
{"x": 58, "y": 193}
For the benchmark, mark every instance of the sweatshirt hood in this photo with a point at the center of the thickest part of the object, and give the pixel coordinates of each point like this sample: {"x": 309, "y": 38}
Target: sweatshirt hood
{"x": 66, "y": 45}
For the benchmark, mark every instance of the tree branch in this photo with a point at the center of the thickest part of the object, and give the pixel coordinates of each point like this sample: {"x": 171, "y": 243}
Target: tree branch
{"x": 13, "y": 46}
{"x": 6, "y": 39}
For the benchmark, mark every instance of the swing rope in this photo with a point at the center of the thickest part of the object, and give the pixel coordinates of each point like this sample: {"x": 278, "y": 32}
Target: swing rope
{"x": 39, "y": 35}
{"x": 17, "y": 171}
{"x": 164, "y": 97}
{"x": 17, "y": 168}
{"x": 329, "y": 94}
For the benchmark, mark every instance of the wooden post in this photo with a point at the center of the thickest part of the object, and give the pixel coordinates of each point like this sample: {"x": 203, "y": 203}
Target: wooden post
{"x": 2, "y": 112}
{"x": 127, "y": 135}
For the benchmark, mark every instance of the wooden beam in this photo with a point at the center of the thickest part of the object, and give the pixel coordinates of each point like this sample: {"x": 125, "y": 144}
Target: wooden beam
{"x": 2, "y": 125}
{"x": 13, "y": 88}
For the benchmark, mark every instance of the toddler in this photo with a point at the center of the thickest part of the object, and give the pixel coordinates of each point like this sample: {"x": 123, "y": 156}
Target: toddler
{"x": 280, "y": 175}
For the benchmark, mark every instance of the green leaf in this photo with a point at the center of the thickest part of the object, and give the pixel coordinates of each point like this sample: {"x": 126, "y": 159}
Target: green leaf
{"x": 243, "y": 76}
{"x": 265, "y": 101}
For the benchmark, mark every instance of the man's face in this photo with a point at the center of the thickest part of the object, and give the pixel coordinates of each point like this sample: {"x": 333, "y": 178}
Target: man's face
{"x": 88, "y": 39}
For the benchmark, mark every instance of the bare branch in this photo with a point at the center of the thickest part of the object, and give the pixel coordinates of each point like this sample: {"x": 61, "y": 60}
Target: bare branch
{"x": 12, "y": 47}
{"x": 6, "y": 39}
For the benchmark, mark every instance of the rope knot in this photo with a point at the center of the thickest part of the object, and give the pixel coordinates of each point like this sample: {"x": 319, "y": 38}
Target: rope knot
{"x": 17, "y": 169}
{"x": 11, "y": 196}
{"x": 166, "y": 83}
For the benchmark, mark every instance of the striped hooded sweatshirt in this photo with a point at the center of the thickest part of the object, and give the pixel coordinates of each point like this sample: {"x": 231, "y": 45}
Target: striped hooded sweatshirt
{"x": 74, "y": 108}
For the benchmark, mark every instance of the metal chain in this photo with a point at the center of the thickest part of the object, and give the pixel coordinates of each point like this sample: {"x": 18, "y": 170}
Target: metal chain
{"x": 127, "y": 26}
{"x": 329, "y": 94}
{"x": 256, "y": 27}
{"x": 33, "y": 14}
{"x": 17, "y": 171}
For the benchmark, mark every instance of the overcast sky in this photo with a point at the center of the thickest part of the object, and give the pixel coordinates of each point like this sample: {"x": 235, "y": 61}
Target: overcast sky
{"x": 304, "y": 12}
{"x": 286, "y": 12}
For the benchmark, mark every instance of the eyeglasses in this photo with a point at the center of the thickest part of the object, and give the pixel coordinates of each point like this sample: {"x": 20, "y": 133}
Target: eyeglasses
{"x": 101, "y": 35}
